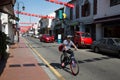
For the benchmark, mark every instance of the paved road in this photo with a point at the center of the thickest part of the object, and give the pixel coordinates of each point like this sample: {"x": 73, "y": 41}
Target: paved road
{"x": 93, "y": 66}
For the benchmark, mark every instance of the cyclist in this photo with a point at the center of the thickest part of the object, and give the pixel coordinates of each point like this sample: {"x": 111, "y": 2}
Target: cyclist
{"x": 67, "y": 43}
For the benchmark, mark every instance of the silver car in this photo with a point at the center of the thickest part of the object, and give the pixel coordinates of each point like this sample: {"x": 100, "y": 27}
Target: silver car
{"x": 109, "y": 45}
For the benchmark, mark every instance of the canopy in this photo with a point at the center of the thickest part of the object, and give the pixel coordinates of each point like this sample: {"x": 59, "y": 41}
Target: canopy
{"x": 6, "y": 6}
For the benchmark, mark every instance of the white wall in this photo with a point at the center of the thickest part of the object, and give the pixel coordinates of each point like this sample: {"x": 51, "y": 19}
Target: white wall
{"x": 104, "y": 9}
{"x": 4, "y": 19}
{"x": 7, "y": 27}
{"x": 98, "y": 32}
{"x": 50, "y": 20}
{"x": 86, "y": 20}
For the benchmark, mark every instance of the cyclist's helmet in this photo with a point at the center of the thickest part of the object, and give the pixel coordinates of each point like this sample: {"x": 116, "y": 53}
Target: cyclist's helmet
{"x": 69, "y": 36}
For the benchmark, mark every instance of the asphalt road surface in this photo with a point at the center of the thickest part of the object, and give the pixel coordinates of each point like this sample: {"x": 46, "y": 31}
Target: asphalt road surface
{"x": 93, "y": 66}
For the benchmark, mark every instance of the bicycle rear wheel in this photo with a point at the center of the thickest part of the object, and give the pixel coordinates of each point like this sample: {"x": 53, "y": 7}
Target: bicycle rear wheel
{"x": 74, "y": 67}
{"x": 64, "y": 59}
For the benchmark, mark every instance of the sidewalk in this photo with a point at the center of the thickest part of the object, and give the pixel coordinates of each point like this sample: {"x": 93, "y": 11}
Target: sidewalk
{"x": 22, "y": 65}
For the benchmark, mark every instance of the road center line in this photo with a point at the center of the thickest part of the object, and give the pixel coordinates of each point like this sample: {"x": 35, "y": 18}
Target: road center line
{"x": 60, "y": 77}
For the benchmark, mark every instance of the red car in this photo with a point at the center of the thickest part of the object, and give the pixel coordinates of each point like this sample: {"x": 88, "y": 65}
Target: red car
{"x": 82, "y": 39}
{"x": 47, "y": 38}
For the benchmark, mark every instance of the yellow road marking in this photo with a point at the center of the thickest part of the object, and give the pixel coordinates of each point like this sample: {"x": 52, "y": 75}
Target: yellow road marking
{"x": 60, "y": 77}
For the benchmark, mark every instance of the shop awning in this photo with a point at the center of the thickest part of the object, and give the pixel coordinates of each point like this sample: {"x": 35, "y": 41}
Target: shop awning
{"x": 74, "y": 23}
{"x": 107, "y": 19}
{"x": 6, "y": 6}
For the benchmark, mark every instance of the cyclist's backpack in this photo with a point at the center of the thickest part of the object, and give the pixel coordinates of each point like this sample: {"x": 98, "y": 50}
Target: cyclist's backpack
{"x": 60, "y": 48}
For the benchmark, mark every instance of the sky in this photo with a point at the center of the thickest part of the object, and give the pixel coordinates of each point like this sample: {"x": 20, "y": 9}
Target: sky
{"x": 40, "y": 7}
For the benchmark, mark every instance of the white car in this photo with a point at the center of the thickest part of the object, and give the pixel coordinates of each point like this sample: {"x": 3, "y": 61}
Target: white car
{"x": 36, "y": 36}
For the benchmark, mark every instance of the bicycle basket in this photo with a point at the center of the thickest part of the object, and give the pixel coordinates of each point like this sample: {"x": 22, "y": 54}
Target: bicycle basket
{"x": 60, "y": 48}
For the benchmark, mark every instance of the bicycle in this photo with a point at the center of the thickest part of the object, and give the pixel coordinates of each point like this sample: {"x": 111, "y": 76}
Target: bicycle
{"x": 74, "y": 67}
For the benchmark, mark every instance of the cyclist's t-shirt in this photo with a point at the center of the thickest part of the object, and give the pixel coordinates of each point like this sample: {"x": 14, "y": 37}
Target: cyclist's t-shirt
{"x": 67, "y": 44}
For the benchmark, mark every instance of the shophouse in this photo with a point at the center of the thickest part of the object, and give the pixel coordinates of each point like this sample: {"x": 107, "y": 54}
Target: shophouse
{"x": 107, "y": 18}
{"x": 7, "y": 18}
{"x": 8, "y": 26}
{"x": 50, "y": 22}
{"x": 57, "y": 23}
{"x": 80, "y": 18}
{"x": 45, "y": 24}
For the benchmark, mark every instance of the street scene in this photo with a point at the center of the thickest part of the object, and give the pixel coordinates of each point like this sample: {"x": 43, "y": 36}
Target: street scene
{"x": 59, "y": 40}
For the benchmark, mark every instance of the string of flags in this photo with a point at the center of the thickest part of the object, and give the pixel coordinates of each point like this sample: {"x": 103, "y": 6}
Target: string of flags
{"x": 61, "y": 3}
{"x": 34, "y": 15}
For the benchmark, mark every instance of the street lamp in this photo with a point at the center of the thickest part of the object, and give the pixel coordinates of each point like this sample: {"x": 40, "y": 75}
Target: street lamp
{"x": 18, "y": 9}
{"x": 18, "y": 5}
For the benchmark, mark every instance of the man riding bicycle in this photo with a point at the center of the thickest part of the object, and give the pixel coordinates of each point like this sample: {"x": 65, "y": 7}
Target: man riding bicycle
{"x": 67, "y": 43}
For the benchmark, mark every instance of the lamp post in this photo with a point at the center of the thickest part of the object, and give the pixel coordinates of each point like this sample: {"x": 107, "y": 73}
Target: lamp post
{"x": 18, "y": 9}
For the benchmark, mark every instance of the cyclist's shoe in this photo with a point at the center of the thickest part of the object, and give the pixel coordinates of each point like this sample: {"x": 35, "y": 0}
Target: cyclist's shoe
{"x": 63, "y": 64}
{"x": 73, "y": 64}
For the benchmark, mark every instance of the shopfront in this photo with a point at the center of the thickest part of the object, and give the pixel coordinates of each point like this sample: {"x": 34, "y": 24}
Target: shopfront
{"x": 108, "y": 27}
{"x": 112, "y": 29}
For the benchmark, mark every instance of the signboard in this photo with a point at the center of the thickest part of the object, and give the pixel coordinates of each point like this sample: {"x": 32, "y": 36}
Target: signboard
{"x": 59, "y": 36}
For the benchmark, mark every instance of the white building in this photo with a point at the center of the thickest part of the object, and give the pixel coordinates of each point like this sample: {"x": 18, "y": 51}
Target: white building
{"x": 50, "y": 25}
{"x": 46, "y": 24}
{"x": 7, "y": 26}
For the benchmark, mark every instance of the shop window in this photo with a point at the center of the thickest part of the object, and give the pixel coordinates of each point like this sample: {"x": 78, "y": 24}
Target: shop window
{"x": 77, "y": 11}
{"x": 103, "y": 41}
{"x": 86, "y": 9}
{"x": 110, "y": 42}
{"x": 114, "y": 2}
{"x": 95, "y": 7}
{"x": 71, "y": 13}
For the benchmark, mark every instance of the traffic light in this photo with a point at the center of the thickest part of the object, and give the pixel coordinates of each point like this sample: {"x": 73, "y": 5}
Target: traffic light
{"x": 64, "y": 15}
{"x": 60, "y": 14}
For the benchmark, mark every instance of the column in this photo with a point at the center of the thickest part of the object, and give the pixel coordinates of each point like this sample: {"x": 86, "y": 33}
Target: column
{"x": 82, "y": 27}
{"x": 98, "y": 31}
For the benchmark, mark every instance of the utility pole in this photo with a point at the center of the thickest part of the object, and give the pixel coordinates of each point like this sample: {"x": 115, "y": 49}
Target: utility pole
{"x": 17, "y": 24}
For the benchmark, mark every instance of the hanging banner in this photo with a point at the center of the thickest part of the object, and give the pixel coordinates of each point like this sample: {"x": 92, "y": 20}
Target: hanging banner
{"x": 33, "y": 15}
{"x": 61, "y": 3}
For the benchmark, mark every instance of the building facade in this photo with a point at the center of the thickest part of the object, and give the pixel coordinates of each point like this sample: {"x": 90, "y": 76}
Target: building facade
{"x": 107, "y": 19}
{"x": 8, "y": 26}
{"x": 80, "y": 18}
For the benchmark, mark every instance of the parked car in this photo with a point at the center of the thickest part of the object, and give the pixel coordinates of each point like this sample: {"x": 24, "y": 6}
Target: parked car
{"x": 82, "y": 39}
{"x": 110, "y": 45}
{"x": 47, "y": 38}
{"x": 36, "y": 36}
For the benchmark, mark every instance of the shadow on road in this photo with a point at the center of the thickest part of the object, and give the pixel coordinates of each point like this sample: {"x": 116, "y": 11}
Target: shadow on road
{"x": 111, "y": 55}
{"x": 94, "y": 59}
{"x": 58, "y": 66}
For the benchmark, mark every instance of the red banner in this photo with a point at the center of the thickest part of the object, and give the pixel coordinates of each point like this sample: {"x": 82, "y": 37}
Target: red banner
{"x": 61, "y": 3}
{"x": 24, "y": 29}
{"x": 34, "y": 15}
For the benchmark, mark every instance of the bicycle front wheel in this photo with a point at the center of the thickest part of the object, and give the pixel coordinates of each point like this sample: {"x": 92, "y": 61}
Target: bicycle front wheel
{"x": 74, "y": 67}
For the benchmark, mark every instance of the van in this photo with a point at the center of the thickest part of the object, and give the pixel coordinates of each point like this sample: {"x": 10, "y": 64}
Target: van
{"x": 82, "y": 39}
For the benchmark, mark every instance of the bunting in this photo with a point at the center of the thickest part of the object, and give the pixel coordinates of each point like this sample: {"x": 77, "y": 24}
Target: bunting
{"x": 33, "y": 15}
{"x": 61, "y": 3}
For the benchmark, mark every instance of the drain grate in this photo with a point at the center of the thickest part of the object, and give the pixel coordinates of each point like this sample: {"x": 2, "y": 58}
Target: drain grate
{"x": 15, "y": 65}
{"x": 28, "y": 65}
